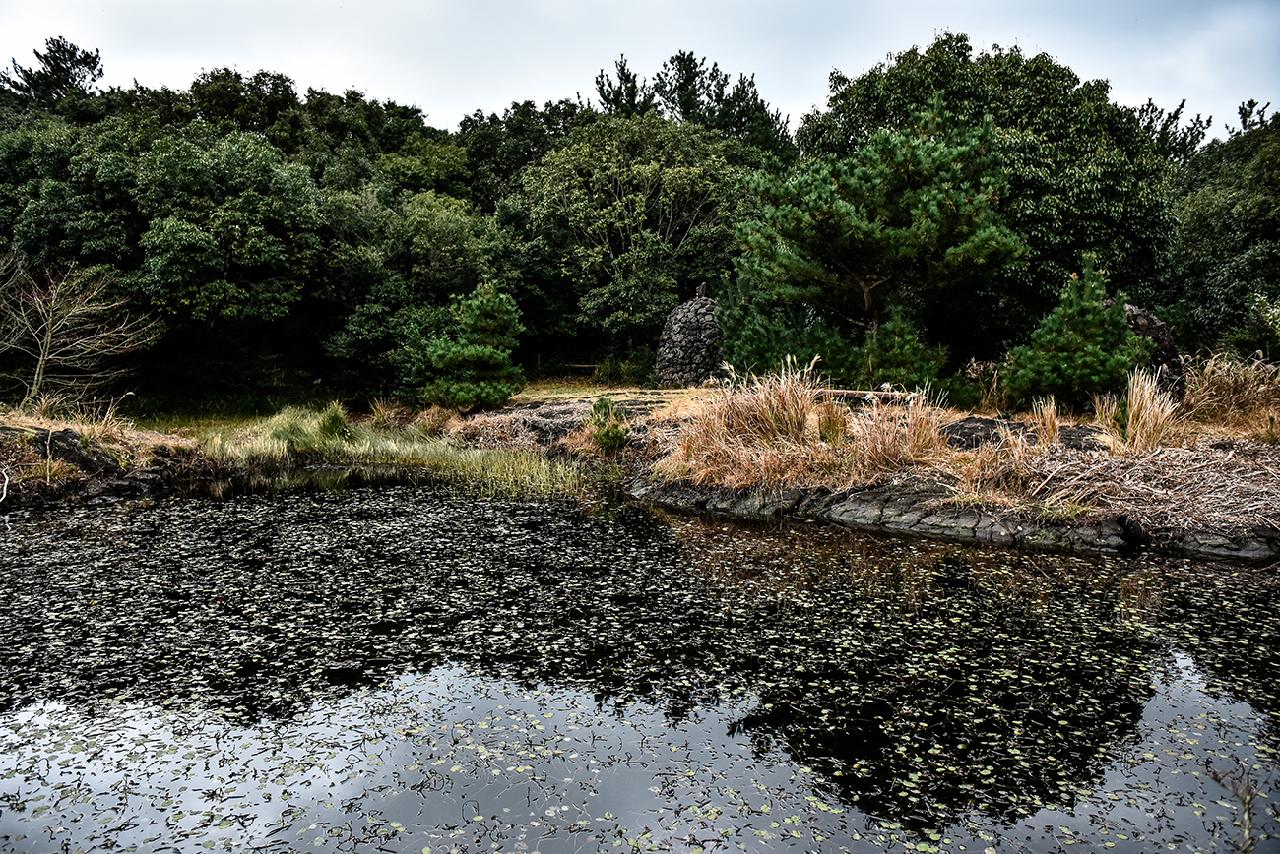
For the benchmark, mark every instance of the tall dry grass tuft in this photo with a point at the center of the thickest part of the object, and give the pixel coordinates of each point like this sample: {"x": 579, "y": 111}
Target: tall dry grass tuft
{"x": 1225, "y": 388}
{"x": 887, "y": 438}
{"x": 1151, "y": 417}
{"x": 433, "y": 420}
{"x": 770, "y": 407}
{"x": 1144, "y": 419}
{"x": 1107, "y": 409}
{"x": 753, "y": 432}
{"x": 388, "y": 415}
{"x": 833, "y": 423}
{"x": 1044, "y": 420}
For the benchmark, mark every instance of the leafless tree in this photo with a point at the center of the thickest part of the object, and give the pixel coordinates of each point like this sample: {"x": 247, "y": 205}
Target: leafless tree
{"x": 64, "y": 330}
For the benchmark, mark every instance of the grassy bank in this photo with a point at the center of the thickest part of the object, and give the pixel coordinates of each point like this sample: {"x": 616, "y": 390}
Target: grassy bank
{"x": 329, "y": 435}
{"x": 1210, "y": 461}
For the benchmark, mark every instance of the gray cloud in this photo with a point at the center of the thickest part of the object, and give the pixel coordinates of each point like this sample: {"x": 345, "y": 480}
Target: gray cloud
{"x": 453, "y": 57}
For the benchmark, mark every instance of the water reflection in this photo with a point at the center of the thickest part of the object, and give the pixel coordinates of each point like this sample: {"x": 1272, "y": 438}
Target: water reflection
{"x": 413, "y": 669}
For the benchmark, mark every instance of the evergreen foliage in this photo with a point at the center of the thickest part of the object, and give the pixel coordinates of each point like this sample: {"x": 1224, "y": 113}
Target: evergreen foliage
{"x": 1081, "y": 349}
{"x": 634, "y": 212}
{"x": 469, "y": 367}
{"x": 607, "y": 426}
{"x": 895, "y": 354}
{"x": 285, "y": 239}
{"x": 911, "y": 220}
{"x": 1228, "y": 247}
{"x": 1084, "y": 175}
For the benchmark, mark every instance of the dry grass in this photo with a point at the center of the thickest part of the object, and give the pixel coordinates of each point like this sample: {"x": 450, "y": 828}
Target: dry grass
{"x": 986, "y": 375}
{"x": 1044, "y": 420}
{"x": 389, "y": 415}
{"x": 891, "y": 438}
{"x": 1224, "y": 388}
{"x": 769, "y": 407}
{"x": 433, "y": 420}
{"x": 496, "y": 430}
{"x": 779, "y": 430}
{"x": 100, "y": 424}
{"x": 1171, "y": 488}
{"x": 1145, "y": 419}
{"x": 833, "y": 423}
{"x": 1151, "y": 415}
{"x": 995, "y": 474}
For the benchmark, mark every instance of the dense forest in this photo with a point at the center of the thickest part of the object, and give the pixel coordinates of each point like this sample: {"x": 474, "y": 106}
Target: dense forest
{"x": 945, "y": 208}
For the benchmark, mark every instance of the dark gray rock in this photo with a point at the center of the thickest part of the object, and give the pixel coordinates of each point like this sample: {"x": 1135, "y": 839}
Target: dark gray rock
{"x": 974, "y": 431}
{"x": 689, "y": 349}
{"x": 913, "y": 510}
{"x": 1082, "y": 437}
{"x": 69, "y": 446}
{"x": 1165, "y": 361}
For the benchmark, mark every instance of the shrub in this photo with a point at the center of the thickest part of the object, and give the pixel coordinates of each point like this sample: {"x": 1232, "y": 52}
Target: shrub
{"x": 1260, "y": 331}
{"x": 608, "y": 428}
{"x": 758, "y": 337}
{"x": 895, "y": 354}
{"x": 1082, "y": 348}
{"x": 472, "y": 367}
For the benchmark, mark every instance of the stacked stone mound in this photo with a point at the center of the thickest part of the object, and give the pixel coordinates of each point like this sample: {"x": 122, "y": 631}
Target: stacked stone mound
{"x": 1164, "y": 360}
{"x": 689, "y": 349}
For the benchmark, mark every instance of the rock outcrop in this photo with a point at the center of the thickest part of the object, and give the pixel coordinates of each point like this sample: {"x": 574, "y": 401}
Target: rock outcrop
{"x": 1164, "y": 361}
{"x": 689, "y": 349}
{"x": 921, "y": 510}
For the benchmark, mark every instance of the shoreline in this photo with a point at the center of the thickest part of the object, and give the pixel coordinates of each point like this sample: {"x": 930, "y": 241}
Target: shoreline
{"x": 903, "y": 507}
{"x": 920, "y": 512}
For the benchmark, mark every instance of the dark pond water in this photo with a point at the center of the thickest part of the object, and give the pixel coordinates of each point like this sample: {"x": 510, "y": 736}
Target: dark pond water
{"x": 404, "y": 670}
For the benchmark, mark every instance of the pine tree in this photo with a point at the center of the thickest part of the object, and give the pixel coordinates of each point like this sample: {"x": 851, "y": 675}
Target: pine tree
{"x": 1082, "y": 348}
{"x": 894, "y": 353}
{"x": 470, "y": 367}
{"x": 912, "y": 219}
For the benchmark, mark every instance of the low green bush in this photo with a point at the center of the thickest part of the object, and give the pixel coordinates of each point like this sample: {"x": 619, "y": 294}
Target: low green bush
{"x": 608, "y": 428}
{"x": 895, "y": 353}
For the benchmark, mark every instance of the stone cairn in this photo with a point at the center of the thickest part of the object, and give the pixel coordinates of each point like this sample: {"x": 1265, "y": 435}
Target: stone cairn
{"x": 689, "y": 349}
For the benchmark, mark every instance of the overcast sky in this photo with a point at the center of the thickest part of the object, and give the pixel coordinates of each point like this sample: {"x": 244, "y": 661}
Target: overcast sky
{"x": 453, "y": 57}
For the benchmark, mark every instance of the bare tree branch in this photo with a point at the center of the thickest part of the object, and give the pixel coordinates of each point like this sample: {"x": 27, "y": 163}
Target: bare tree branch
{"x": 66, "y": 328}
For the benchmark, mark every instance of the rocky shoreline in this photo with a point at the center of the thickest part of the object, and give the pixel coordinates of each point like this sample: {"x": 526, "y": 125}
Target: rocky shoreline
{"x": 918, "y": 510}
{"x": 900, "y": 508}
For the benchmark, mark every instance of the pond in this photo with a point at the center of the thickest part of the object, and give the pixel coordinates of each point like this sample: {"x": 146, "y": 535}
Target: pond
{"x": 405, "y": 669}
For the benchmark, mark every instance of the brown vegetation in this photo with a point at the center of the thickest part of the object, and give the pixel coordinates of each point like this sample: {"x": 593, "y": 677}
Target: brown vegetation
{"x": 1239, "y": 394}
{"x": 779, "y": 431}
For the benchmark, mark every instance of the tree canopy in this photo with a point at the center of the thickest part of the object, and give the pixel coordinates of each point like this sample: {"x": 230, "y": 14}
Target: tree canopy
{"x": 930, "y": 210}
